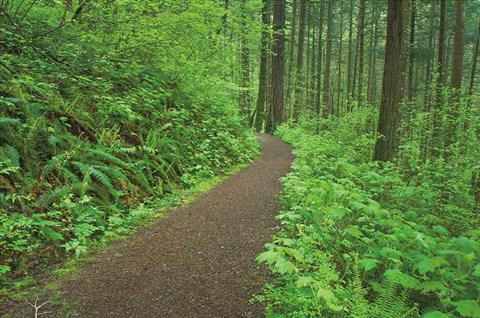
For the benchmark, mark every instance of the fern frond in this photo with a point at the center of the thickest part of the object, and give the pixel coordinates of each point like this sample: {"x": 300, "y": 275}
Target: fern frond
{"x": 103, "y": 179}
{"x": 100, "y": 155}
{"x": 4, "y": 121}
{"x": 53, "y": 196}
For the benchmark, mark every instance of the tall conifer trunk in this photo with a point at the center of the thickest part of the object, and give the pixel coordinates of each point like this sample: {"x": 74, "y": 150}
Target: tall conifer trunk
{"x": 393, "y": 79}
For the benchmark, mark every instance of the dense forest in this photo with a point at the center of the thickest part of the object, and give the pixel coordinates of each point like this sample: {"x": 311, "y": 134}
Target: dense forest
{"x": 109, "y": 108}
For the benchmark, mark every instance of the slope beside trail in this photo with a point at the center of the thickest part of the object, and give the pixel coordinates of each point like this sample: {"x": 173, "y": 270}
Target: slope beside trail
{"x": 200, "y": 260}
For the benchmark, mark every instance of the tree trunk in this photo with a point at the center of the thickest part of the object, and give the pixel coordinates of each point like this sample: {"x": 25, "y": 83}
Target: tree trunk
{"x": 361, "y": 45}
{"x": 262, "y": 82}
{"x": 411, "y": 57}
{"x": 350, "y": 53}
{"x": 340, "y": 47}
{"x": 278, "y": 62}
{"x": 428, "y": 70}
{"x": 291, "y": 53}
{"x": 299, "y": 78}
{"x": 457, "y": 67}
{"x": 434, "y": 151}
{"x": 313, "y": 63}
{"x": 326, "y": 107}
{"x": 474, "y": 62}
{"x": 245, "y": 98}
{"x": 457, "y": 63}
{"x": 393, "y": 79}
{"x": 318, "y": 90}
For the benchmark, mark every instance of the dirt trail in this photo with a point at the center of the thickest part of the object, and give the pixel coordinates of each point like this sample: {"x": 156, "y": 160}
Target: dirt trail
{"x": 198, "y": 262}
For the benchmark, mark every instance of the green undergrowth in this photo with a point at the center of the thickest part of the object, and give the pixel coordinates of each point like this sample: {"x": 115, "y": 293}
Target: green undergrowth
{"x": 361, "y": 239}
{"x": 94, "y": 128}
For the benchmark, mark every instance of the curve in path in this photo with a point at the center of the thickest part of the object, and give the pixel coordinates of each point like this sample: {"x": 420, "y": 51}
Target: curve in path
{"x": 198, "y": 262}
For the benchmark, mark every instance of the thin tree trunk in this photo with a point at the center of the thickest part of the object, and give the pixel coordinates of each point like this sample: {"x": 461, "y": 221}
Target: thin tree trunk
{"x": 245, "y": 98}
{"x": 370, "y": 56}
{"x": 474, "y": 62}
{"x": 457, "y": 67}
{"x": 299, "y": 78}
{"x": 434, "y": 151}
{"x": 411, "y": 57}
{"x": 340, "y": 47}
{"x": 278, "y": 62}
{"x": 428, "y": 71}
{"x": 361, "y": 45}
{"x": 313, "y": 63}
{"x": 318, "y": 90}
{"x": 262, "y": 82}
{"x": 350, "y": 53}
{"x": 326, "y": 110}
{"x": 291, "y": 53}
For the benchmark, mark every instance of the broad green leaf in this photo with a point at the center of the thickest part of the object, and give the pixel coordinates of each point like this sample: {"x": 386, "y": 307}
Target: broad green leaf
{"x": 368, "y": 263}
{"x": 283, "y": 266}
{"x": 268, "y": 257}
{"x": 329, "y": 297}
{"x": 435, "y": 314}
{"x": 303, "y": 281}
{"x": 432, "y": 285}
{"x": 476, "y": 270}
{"x": 401, "y": 278}
{"x": 468, "y": 308}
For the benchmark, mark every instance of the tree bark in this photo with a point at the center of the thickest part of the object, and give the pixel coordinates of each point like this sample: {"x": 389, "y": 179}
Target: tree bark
{"x": 245, "y": 98}
{"x": 291, "y": 53}
{"x": 393, "y": 79}
{"x": 457, "y": 67}
{"x": 278, "y": 62}
{"x": 318, "y": 101}
{"x": 434, "y": 151}
{"x": 299, "y": 78}
{"x": 340, "y": 47}
{"x": 474, "y": 62}
{"x": 350, "y": 54}
{"x": 410, "y": 56}
{"x": 361, "y": 45}
{"x": 262, "y": 82}
{"x": 326, "y": 101}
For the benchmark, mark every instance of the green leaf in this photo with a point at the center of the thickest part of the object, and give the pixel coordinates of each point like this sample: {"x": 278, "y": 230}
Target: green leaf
{"x": 268, "y": 257}
{"x": 432, "y": 285}
{"x": 468, "y": 308}
{"x": 429, "y": 265}
{"x": 476, "y": 270}
{"x": 330, "y": 299}
{"x": 283, "y": 266}
{"x": 304, "y": 281}
{"x": 368, "y": 264}
{"x": 435, "y": 314}
{"x": 401, "y": 278}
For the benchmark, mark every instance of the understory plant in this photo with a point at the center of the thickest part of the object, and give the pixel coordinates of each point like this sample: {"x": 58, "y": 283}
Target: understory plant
{"x": 360, "y": 239}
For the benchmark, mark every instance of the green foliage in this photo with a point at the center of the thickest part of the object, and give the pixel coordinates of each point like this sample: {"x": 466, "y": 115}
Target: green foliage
{"x": 102, "y": 109}
{"x": 360, "y": 239}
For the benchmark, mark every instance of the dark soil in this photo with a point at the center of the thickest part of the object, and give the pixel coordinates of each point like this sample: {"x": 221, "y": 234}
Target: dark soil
{"x": 199, "y": 261}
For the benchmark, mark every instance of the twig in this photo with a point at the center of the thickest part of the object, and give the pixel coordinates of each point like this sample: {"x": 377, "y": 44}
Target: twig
{"x": 37, "y": 307}
{"x": 7, "y": 67}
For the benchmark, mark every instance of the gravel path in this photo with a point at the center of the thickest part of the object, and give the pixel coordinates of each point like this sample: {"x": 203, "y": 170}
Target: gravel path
{"x": 198, "y": 262}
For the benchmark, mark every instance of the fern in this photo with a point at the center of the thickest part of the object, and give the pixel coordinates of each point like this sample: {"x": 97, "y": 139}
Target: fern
{"x": 53, "y": 196}
{"x": 392, "y": 301}
{"x": 5, "y": 121}
{"x": 359, "y": 305}
{"x": 104, "y": 180}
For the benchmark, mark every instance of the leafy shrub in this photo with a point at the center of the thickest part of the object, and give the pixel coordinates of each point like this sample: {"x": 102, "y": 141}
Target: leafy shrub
{"x": 361, "y": 240}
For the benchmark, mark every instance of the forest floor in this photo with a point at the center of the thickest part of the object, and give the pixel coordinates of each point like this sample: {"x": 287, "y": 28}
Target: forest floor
{"x": 197, "y": 262}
